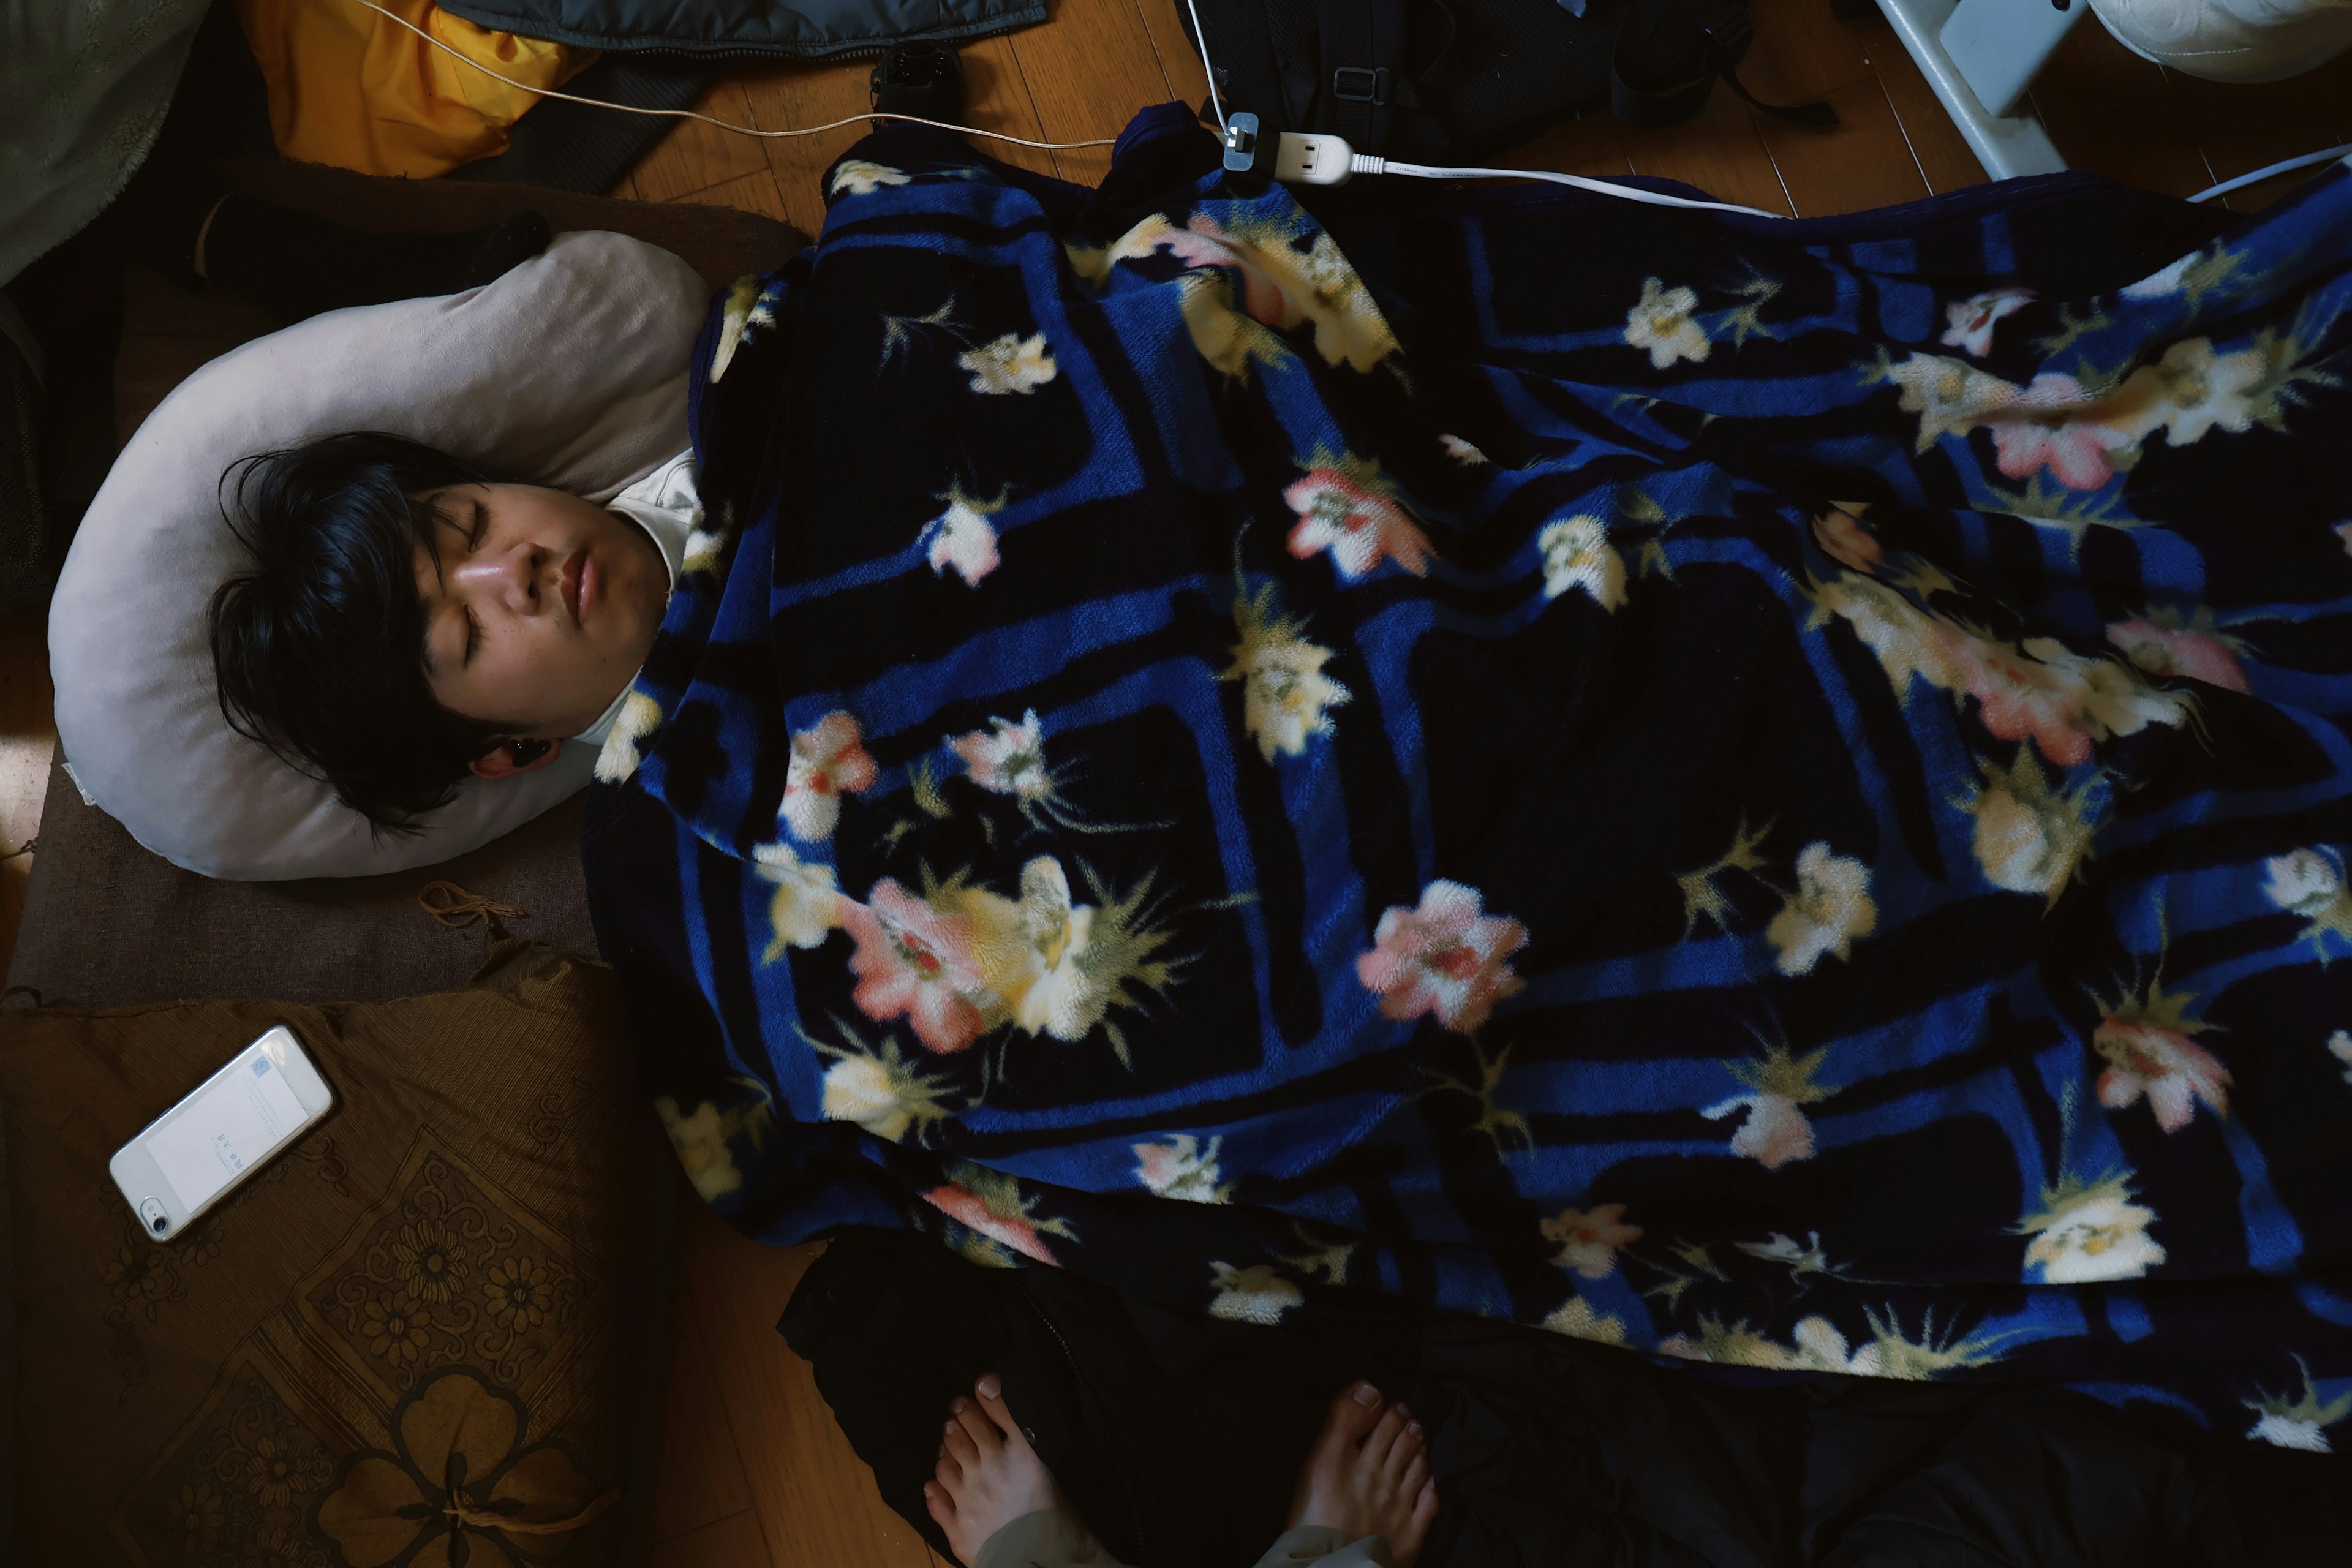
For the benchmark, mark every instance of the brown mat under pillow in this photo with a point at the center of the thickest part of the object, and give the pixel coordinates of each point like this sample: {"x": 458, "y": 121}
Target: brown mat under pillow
{"x": 107, "y": 924}
{"x": 433, "y": 1330}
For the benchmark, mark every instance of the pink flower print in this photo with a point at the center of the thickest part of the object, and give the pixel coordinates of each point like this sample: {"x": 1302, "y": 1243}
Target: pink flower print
{"x": 2162, "y": 651}
{"x": 1775, "y": 1132}
{"x": 2051, "y": 428}
{"x": 1588, "y": 1242}
{"x": 913, "y": 960}
{"x": 1443, "y": 957}
{"x": 2174, "y": 1071}
{"x": 1008, "y": 758}
{"x": 828, "y": 761}
{"x": 1359, "y": 526}
{"x": 1971, "y": 319}
{"x": 2021, "y": 698}
{"x": 1848, "y": 539}
{"x": 966, "y": 1208}
{"x": 961, "y": 537}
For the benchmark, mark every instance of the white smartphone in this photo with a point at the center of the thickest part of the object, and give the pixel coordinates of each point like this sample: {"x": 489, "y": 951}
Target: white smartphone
{"x": 196, "y": 1154}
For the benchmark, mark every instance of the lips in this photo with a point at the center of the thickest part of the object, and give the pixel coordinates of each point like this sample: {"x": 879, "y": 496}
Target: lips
{"x": 574, "y": 583}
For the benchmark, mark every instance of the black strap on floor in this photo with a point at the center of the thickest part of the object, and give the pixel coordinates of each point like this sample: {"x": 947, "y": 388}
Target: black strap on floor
{"x": 577, "y": 147}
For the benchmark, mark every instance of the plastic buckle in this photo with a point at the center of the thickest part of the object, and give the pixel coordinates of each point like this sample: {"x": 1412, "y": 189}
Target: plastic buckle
{"x": 1375, "y": 89}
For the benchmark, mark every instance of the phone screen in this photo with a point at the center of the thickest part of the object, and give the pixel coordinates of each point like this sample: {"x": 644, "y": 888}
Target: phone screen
{"x": 236, "y": 1121}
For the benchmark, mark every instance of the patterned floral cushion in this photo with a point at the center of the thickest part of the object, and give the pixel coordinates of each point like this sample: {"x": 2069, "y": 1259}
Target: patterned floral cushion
{"x": 430, "y": 1333}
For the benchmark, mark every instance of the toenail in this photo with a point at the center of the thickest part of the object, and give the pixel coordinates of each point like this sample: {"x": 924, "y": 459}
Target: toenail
{"x": 988, "y": 1387}
{"x": 1403, "y": 1409}
{"x": 1414, "y": 1429}
{"x": 958, "y": 1406}
{"x": 1367, "y": 1395}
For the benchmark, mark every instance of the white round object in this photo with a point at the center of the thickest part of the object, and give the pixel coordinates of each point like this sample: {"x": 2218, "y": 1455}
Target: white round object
{"x": 2231, "y": 41}
{"x": 570, "y": 370}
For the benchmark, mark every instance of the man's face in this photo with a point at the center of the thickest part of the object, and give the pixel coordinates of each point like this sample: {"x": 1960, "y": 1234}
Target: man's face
{"x": 539, "y": 607}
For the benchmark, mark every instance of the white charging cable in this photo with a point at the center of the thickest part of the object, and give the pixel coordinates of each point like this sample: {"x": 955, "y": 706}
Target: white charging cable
{"x": 723, "y": 125}
{"x": 1317, "y": 159}
{"x": 2283, "y": 167}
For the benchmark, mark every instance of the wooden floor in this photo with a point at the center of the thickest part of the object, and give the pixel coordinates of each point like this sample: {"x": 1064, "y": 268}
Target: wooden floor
{"x": 756, "y": 1472}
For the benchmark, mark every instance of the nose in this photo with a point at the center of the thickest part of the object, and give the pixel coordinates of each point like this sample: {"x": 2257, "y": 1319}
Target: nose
{"x": 511, "y": 576}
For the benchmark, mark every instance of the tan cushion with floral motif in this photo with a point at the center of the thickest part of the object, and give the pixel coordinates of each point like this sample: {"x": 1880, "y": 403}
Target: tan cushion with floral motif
{"x": 430, "y": 1335}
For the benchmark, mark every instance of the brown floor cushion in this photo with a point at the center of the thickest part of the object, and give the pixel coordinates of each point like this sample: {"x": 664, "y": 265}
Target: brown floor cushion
{"x": 107, "y": 924}
{"x": 432, "y": 1333}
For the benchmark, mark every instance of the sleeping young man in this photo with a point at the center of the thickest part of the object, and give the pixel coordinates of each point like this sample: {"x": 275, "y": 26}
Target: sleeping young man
{"x": 1769, "y": 794}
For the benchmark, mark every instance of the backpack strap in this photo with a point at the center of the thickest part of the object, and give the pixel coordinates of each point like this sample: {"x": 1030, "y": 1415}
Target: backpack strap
{"x": 1670, "y": 53}
{"x": 1364, "y": 71}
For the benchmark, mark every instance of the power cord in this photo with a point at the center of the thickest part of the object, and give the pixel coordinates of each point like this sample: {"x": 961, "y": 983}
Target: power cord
{"x": 1317, "y": 159}
{"x": 2283, "y": 167}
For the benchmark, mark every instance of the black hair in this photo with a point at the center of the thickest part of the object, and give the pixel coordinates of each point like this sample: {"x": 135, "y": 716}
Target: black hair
{"x": 319, "y": 648}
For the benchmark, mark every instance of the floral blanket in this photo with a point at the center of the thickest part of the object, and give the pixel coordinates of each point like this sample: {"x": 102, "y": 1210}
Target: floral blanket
{"x": 1773, "y": 793}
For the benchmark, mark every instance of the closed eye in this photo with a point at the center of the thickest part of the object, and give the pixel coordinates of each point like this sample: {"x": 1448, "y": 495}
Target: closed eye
{"x": 473, "y": 635}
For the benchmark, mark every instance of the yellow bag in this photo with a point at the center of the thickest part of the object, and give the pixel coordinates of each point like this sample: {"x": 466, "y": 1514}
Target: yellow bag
{"x": 350, "y": 87}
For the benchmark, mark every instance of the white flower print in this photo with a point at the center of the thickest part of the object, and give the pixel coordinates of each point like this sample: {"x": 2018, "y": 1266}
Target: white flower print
{"x": 807, "y": 902}
{"x": 1578, "y": 1320}
{"x": 2191, "y": 390}
{"x": 1577, "y": 554}
{"x": 2343, "y": 532}
{"x": 2310, "y": 883}
{"x": 1182, "y": 1168}
{"x": 1009, "y": 364}
{"x": 1345, "y": 507}
{"x": 1286, "y": 696}
{"x": 1462, "y": 452}
{"x": 1972, "y": 320}
{"x": 2031, "y": 835}
{"x": 1588, "y": 1243}
{"x": 1007, "y": 758}
{"x": 1662, "y": 323}
{"x": 2298, "y": 1423}
{"x": 884, "y": 1095}
{"x": 1258, "y": 1294}
{"x": 1951, "y": 396}
{"x": 2151, "y": 1054}
{"x": 2305, "y": 881}
{"x": 1776, "y": 1130}
{"x": 2339, "y": 1046}
{"x": 2084, "y": 1234}
{"x": 1443, "y": 956}
{"x": 861, "y": 177}
{"x": 963, "y": 538}
{"x": 2163, "y": 280}
{"x": 1830, "y": 907}
{"x": 828, "y": 761}
{"x": 640, "y": 717}
{"x": 1803, "y": 1257}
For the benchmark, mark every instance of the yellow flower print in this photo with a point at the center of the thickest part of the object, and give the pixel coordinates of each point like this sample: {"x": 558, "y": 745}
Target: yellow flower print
{"x": 1258, "y": 1294}
{"x": 432, "y": 1265}
{"x": 1830, "y": 908}
{"x": 394, "y": 1328}
{"x": 1817, "y": 1344}
{"x": 881, "y": 1091}
{"x": 1282, "y": 287}
{"x": 1578, "y": 1320}
{"x": 1286, "y": 696}
{"x": 704, "y": 1138}
{"x": 807, "y": 902}
{"x": 1663, "y": 322}
{"x": 861, "y": 177}
{"x": 1058, "y": 967}
{"x": 1009, "y": 364}
{"x": 1577, "y": 554}
{"x": 1182, "y": 1168}
{"x": 2031, "y": 834}
{"x": 2088, "y": 1233}
{"x": 640, "y": 717}
{"x": 1588, "y": 1243}
{"x": 519, "y": 1292}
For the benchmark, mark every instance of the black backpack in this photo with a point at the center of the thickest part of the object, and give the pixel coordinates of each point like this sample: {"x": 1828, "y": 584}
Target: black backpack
{"x": 1426, "y": 80}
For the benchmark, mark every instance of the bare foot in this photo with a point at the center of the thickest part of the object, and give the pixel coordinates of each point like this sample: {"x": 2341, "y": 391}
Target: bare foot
{"x": 989, "y": 1475}
{"x": 1367, "y": 1475}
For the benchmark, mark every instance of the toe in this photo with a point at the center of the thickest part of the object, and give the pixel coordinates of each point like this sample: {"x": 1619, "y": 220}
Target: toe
{"x": 1414, "y": 1477}
{"x": 1383, "y": 1438}
{"x": 1424, "y": 1506}
{"x": 960, "y": 1445}
{"x": 940, "y": 1505}
{"x": 989, "y": 1392}
{"x": 1353, "y": 1411}
{"x": 977, "y": 1426}
{"x": 1404, "y": 1452}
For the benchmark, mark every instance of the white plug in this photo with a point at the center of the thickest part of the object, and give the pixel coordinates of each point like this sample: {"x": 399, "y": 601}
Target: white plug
{"x": 1313, "y": 158}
